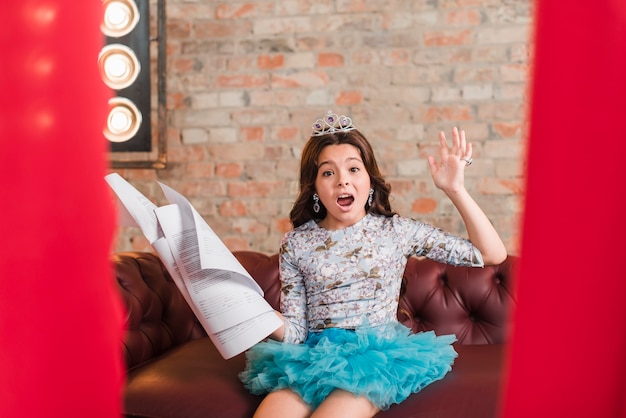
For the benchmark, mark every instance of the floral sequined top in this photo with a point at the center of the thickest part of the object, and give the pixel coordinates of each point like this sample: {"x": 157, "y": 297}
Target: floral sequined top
{"x": 346, "y": 277}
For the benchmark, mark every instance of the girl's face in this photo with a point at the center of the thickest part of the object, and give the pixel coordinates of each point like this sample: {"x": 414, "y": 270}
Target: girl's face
{"x": 343, "y": 185}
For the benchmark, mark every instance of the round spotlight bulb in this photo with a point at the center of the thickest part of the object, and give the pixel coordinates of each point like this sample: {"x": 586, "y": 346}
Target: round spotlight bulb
{"x": 119, "y": 66}
{"x": 116, "y": 66}
{"x": 120, "y": 17}
{"x": 123, "y": 120}
{"x": 120, "y": 120}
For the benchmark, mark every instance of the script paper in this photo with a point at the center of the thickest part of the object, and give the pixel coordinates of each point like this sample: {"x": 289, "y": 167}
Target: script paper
{"x": 224, "y": 297}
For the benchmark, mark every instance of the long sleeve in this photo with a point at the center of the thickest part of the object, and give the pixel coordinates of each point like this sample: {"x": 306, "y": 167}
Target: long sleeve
{"x": 426, "y": 240}
{"x": 293, "y": 301}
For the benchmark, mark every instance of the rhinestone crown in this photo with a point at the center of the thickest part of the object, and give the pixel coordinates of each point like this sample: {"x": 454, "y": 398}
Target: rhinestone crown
{"x": 331, "y": 123}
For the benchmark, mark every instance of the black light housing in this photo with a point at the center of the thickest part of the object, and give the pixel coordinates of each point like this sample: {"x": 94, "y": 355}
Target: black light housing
{"x": 124, "y": 64}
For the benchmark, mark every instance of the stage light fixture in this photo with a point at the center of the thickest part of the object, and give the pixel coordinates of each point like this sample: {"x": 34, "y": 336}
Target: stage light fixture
{"x": 124, "y": 64}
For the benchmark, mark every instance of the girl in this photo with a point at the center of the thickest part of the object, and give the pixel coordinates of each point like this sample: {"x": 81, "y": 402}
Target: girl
{"x": 341, "y": 351}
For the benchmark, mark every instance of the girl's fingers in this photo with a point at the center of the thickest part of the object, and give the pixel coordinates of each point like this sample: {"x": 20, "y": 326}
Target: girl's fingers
{"x": 455, "y": 140}
{"x": 432, "y": 163}
{"x": 443, "y": 148}
{"x": 460, "y": 146}
{"x": 463, "y": 143}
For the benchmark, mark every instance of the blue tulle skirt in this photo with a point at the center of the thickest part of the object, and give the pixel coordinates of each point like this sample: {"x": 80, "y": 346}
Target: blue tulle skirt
{"x": 384, "y": 364}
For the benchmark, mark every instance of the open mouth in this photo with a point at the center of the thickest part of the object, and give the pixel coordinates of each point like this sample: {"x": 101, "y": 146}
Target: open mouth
{"x": 345, "y": 200}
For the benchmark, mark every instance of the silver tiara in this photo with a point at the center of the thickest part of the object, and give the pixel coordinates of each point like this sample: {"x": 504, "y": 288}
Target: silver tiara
{"x": 331, "y": 123}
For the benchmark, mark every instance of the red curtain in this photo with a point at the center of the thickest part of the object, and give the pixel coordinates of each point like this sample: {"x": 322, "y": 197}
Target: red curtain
{"x": 60, "y": 316}
{"x": 568, "y": 355}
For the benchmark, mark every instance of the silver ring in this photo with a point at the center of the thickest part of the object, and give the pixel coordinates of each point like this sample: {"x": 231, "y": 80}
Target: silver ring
{"x": 467, "y": 162}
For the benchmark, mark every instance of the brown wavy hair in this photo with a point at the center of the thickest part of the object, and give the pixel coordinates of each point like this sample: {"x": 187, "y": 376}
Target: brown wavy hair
{"x": 302, "y": 210}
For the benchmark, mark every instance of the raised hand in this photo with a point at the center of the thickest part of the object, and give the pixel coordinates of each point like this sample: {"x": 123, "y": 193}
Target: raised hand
{"x": 448, "y": 173}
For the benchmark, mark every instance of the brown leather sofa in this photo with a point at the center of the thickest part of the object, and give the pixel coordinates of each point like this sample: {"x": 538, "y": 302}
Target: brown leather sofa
{"x": 174, "y": 371}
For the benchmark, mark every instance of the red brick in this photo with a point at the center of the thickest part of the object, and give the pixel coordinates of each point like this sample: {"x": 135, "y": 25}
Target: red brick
{"x": 447, "y": 113}
{"x": 300, "y": 79}
{"x": 463, "y": 75}
{"x": 399, "y": 186}
{"x": 252, "y": 133}
{"x": 514, "y": 72}
{"x": 262, "y": 98}
{"x": 182, "y": 11}
{"x": 424, "y": 205}
{"x": 269, "y": 207}
{"x": 448, "y": 38}
{"x": 492, "y": 110}
{"x": 495, "y": 186}
{"x": 260, "y": 115}
{"x": 507, "y": 130}
{"x": 463, "y": 17}
{"x": 347, "y": 98}
{"x": 247, "y": 226}
{"x": 289, "y": 97}
{"x": 282, "y": 224}
{"x": 187, "y": 153}
{"x": 282, "y": 25}
{"x": 229, "y": 170}
{"x": 228, "y": 11}
{"x": 255, "y": 189}
{"x": 396, "y": 57}
{"x": 330, "y": 59}
{"x": 273, "y": 152}
{"x": 268, "y": 62}
{"x": 240, "y": 63}
{"x": 365, "y": 57}
{"x": 177, "y": 101}
{"x": 200, "y": 169}
{"x": 287, "y": 133}
{"x": 233, "y": 208}
{"x": 221, "y": 29}
{"x": 179, "y": 29}
{"x": 352, "y": 6}
{"x": 182, "y": 65}
{"x": 192, "y": 188}
{"x": 243, "y": 81}
{"x": 240, "y": 151}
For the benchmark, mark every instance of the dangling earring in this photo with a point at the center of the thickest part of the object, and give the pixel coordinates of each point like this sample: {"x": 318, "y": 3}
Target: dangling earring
{"x": 316, "y": 205}
{"x": 370, "y": 199}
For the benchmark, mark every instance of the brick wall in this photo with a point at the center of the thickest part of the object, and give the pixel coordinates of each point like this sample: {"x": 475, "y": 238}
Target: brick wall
{"x": 245, "y": 80}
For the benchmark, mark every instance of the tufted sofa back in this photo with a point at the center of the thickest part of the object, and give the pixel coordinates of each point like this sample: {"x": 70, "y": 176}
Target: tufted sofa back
{"x": 157, "y": 316}
{"x": 473, "y": 303}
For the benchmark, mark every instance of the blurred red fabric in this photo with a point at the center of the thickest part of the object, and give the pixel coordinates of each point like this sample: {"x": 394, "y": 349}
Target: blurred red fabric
{"x": 568, "y": 353}
{"x": 60, "y": 314}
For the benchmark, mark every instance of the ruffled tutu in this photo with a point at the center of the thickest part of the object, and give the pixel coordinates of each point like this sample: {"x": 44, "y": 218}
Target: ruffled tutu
{"x": 384, "y": 363}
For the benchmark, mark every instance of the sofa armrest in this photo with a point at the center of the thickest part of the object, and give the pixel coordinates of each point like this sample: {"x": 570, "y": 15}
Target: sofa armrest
{"x": 157, "y": 316}
{"x": 473, "y": 303}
